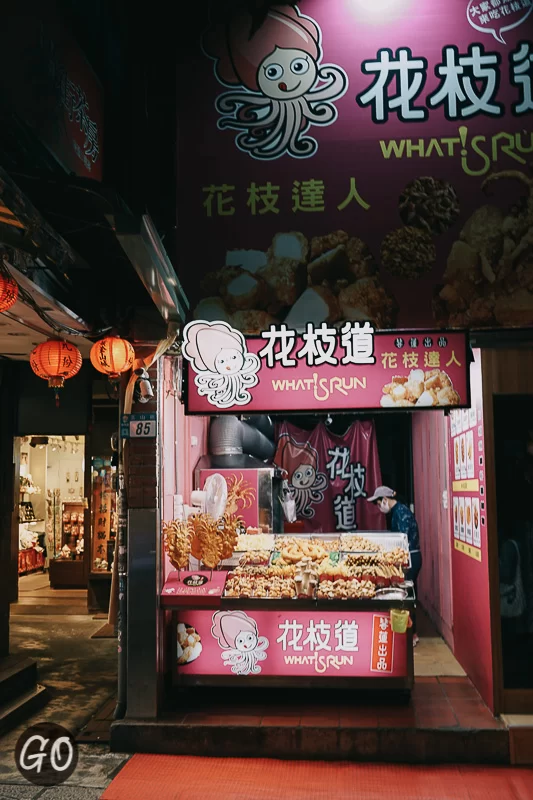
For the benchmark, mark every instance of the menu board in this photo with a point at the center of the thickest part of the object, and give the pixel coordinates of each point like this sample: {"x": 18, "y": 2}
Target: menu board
{"x": 468, "y": 479}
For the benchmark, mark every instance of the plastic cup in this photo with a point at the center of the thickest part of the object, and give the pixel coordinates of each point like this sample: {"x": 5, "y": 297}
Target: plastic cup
{"x": 399, "y": 619}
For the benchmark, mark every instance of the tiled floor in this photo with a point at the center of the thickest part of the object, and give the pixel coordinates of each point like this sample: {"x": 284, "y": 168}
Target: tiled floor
{"x": 435, "y": 703}
{"x": 433, "y": 657}
{"x": 36, "y": 597}
{"x": 98, "y": 728}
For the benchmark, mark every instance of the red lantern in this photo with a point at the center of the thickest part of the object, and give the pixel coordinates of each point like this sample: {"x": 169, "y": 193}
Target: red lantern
{"x": 9, "y": 292}
{"x": 55, "y": 361}
{"x": 112, "y": 356}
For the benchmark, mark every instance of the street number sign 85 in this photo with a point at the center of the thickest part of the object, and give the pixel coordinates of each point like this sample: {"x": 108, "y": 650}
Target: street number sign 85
{"x": 146, "y": 429}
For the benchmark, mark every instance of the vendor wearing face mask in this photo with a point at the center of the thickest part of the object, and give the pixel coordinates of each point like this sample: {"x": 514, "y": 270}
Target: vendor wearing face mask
{"x": 402, "y": 520}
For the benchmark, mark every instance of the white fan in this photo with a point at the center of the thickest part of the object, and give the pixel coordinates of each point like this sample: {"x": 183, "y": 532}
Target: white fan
{"x": 216, "y": 495}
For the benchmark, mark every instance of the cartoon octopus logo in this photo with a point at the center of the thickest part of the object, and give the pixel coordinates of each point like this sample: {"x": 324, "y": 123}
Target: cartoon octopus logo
{"x": 308, "y": 484}
{"x": 283, "y": 87}
{"x": 225, "y": 370}
{"x": 238, "y": 636}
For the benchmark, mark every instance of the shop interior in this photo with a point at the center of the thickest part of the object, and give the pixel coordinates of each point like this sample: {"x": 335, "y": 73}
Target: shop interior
{"x": 67, "y": 518}
{"x": 52, "y": 501}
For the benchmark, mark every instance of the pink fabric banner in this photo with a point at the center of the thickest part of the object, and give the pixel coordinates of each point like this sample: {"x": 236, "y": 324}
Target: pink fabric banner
{"x": 332, "y": 476}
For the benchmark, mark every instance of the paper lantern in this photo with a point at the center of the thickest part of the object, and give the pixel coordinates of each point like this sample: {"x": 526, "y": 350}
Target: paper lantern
{"x": 112, "y": 356}
{"x": 9, "y": 292}
{"x": 55, "y": 361}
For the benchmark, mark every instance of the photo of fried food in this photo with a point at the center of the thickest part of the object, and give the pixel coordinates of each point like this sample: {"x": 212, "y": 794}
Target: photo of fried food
{"x": 470, "y": 451}
{"x": 430, "y": 388}
{"x": 330, "y": 278}
{"x": 189, "y": 643}
{"x": 457, "y": 451}
{"x": 455, "y": 513}
{"x": 463, "y": 450}
{"x": 488, "y": 281}
{"x": 462, "y": 515}
{"x": 468, "y": 515}
{"x": 408, "y": 253}
{"x": 430, "y": 204}
{"x": 476, "y": 517}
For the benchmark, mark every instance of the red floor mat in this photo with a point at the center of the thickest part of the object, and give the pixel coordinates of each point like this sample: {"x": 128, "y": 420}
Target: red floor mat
{"x": 190, "y": 778}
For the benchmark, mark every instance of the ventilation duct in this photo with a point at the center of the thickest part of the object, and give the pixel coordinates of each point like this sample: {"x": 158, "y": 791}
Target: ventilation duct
{"x": 228, "y": 436}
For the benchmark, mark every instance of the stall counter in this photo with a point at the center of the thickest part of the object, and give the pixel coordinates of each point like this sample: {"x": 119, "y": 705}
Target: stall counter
{"x": 300, "y": 642}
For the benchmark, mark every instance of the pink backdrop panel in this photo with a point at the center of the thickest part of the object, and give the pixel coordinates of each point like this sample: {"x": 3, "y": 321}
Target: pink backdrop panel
{"x": 471, "y": 603}
{"x": 430, "y": 471}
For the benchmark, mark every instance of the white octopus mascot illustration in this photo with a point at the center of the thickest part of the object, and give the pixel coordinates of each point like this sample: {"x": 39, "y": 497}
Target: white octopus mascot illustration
{"x": 301, "y": 463}
{"x": 242, "y": 646}
{"x": 282, "y": 86}
{"x": 225, "y": 370}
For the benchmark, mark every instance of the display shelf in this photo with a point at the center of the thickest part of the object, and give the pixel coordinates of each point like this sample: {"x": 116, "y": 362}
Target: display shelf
{"x": 73, "y": 525}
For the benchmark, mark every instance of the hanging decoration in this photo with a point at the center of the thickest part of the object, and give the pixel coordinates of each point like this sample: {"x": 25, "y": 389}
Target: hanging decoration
{"x": 55, "y": 361}
{"x": 112, "y": 356}
{"x": 9, "y": 292}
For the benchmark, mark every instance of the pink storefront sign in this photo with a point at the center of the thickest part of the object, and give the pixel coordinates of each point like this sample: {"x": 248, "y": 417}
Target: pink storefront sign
{"x": 292, "y": 643}
{"x": 193, "y": 588}
{"x": 322, "y": 368}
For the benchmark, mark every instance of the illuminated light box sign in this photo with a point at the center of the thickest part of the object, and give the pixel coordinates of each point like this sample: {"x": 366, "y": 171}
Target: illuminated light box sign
{"x": 323, "y": 369}
{"x": 295, "y": 643}
{"x": 353, "y": 157}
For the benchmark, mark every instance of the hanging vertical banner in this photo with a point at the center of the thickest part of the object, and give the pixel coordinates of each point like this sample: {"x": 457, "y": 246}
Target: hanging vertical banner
{"x": 51, "y": 86}
{"x": 332, "y": 476}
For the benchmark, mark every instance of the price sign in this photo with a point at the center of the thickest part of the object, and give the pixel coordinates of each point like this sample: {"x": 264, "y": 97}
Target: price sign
{"x": 138, "y": 426}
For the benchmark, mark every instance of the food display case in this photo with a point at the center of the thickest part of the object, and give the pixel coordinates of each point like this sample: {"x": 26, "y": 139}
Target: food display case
{"x": 324, "y": 610}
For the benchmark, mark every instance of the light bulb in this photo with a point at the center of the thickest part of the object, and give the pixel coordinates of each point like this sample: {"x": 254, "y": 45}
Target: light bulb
{"x": 378, "y": 12}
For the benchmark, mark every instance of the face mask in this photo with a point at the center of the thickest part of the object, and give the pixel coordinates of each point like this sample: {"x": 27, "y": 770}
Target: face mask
{"x": 383, "y": 507}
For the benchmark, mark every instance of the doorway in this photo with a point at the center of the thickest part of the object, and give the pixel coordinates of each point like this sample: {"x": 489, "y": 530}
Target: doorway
{"x": 52, "y": 513}
{"x": 513, "y": 448}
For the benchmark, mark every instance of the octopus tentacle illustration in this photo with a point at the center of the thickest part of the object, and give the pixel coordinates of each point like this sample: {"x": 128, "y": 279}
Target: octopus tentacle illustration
{"x": 307, "y": 483}
{"x": 305, "y": 497}
{"x": 225, "y": 370}
{"x": 283, "y": 88}
{"x": 239, "y": 639}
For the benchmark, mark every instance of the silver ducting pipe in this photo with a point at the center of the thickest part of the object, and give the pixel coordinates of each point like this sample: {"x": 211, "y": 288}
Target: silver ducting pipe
{"x": 229, "y": 436}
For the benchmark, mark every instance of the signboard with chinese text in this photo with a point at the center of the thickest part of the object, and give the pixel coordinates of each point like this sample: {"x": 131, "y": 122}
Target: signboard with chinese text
{"x": 52, "y": 87}
{"x": 184, "y": 587}
{"x": 295, "y": 643}
{"x": 353, "y": 158}
{"x": 322, "y": 369}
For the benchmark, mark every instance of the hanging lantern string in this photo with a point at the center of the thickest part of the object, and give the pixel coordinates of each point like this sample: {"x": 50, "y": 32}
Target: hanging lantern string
{"x": 57, "y": 327}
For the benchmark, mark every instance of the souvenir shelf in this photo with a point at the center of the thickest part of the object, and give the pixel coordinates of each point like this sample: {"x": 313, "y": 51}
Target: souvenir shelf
{"x": 69, "y": 572}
